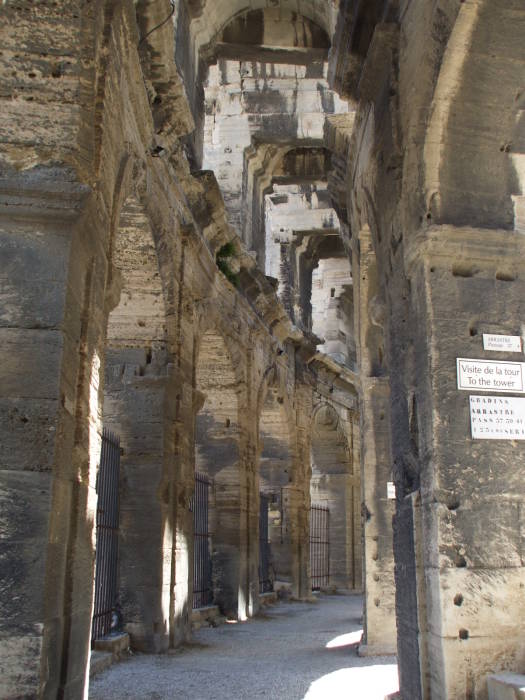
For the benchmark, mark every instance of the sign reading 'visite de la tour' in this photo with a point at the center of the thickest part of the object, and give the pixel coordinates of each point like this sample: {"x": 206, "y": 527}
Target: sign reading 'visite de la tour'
{"x": 490, "y": 375}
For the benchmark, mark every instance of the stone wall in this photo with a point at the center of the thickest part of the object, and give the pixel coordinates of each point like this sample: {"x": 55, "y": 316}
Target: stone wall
{"x": 113, "y": 297}
{"x": 111, "y": 290}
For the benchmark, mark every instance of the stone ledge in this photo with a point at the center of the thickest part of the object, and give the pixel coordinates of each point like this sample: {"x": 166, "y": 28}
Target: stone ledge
{"x": 268, "y": 598}
{"x": 506, "y": 686}
{"x": 107, "y": 651}
{"x": 376, "y": 650}
{"x": 116, "y": 644}
{"x": 100, "y": 661}
{"x": 208, "y": 615}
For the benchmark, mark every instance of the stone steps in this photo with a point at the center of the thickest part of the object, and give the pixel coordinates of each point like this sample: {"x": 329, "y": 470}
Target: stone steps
{"x": 107, "y": 651}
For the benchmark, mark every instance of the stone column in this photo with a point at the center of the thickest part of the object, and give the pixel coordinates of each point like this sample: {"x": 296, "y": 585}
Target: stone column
{"x": 303, "y": 471}
{"x": 136, "y": 395}
{"x": 376, "y": 465}
{"x": 466, "y": 525}
{"x": 53, "y": 285}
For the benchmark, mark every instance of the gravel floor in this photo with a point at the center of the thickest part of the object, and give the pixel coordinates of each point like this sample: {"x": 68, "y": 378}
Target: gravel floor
{"x": 292, "y": 651}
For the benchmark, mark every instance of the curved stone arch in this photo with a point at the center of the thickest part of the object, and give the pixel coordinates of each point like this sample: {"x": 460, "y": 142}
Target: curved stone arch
{"x": 336, "y": 422}
{"x": 479, "y": 179}
{"x": 261, "y": 160}
{"x": 277, "y": 475}
{"x": 132, "y": 182}
{"x": 218, "y": 457}
{"x": 274, "y": 379}
{"x": 207, "y": 319}
{"x": 137, "y": 391}
{"x": 212, "y": 344}
{"x": 333, "y": 484}
{"x": 211, "y": 21}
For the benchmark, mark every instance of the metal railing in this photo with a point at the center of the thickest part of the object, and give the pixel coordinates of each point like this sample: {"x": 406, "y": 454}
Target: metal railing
{"x": 106, "y": 567}
{"x": 202, "y": 580}
{"x": 319, "y": 547}
{"x": 265, "y": 583}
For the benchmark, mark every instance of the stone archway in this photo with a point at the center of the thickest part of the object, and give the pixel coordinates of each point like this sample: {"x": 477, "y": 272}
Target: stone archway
{"x": 332, "y": 485}
{"x": 276, "y": 479}
{"x": 217, "y": 457}
{"x": 135, "y": 397}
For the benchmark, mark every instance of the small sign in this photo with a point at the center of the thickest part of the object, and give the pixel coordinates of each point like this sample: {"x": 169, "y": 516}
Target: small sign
{"x": 502, "y": 343}
{"x": 490, "y": 375}
{"x": 390, "y": 490}
{"x": 497, "y": 417}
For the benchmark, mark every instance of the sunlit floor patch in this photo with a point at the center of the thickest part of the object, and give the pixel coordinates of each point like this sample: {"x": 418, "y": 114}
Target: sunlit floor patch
{"x": 364, "y": 683}
{"x": 345, "y": 640}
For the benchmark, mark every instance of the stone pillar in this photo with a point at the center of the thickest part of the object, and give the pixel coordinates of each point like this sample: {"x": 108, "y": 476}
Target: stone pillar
{"x": 377, "y": 512}
{"x": 467, "y": 523}
{"x": 376, "y": 464}
{"x": 251, "y": 563}
{"x": 48, "y": 433}
{"x": 357, "y": 538}
{"x": 134, "y": 408}
{"x": 303, "y": 471}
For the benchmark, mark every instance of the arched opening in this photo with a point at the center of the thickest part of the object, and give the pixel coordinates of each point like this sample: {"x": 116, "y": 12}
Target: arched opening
{"x": 266, "y": 83}
{"x": 276, "y": 475}
{"x": 217, "y": 458}
{"x": 332, "y": 306}
{"x": 136, "y": 376}
{"x": 335, "y": 486}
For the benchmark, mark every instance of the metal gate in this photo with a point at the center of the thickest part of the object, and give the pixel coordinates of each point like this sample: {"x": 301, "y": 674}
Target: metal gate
{"x": 319, "y": 546}
{"x": 265, "y": 583}
{"x": 202, "y": 582}
{"x": 106, "y": 567}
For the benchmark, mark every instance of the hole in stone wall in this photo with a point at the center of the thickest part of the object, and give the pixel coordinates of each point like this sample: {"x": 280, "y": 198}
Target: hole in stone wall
{"x": 149, "y": 355}
{"x": 227, "y": 422}
{"x": 460, "y": 561}
{"x": 463, "y": 270}
{"x": 458, "y": 599}
{"x": 332, "y": 292}
{"x": 473, "y": 330}
{"x": 505, "y": 276}
{"x": 454, "y": 504}
{"x": 463, "y": 634}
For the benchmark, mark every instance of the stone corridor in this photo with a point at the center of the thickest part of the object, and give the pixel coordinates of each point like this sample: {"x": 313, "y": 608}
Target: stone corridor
{"x": 260, "y": 263}
{"x": 290, "y": 651}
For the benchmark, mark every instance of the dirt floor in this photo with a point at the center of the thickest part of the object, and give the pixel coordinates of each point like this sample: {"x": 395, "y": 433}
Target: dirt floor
{"x": 291, "y": 651}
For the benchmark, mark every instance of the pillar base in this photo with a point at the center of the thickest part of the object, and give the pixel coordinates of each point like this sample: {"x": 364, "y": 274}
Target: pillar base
{"x": 376, "y": 650}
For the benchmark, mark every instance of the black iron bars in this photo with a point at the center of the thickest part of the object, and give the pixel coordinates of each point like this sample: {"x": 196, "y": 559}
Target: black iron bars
{"x": 107, "y": 523}
{"x": 319, "y": 547}
{"x": 265, "y": 583}
{"x": 202, "y": 573}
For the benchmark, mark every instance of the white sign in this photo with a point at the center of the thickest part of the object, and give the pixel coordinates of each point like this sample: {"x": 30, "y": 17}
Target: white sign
{"x": 390, "y": 490}
{"x": 502, "y": 343}
{"x": 497, "y": 417}
{"x": 490, "y": 375}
